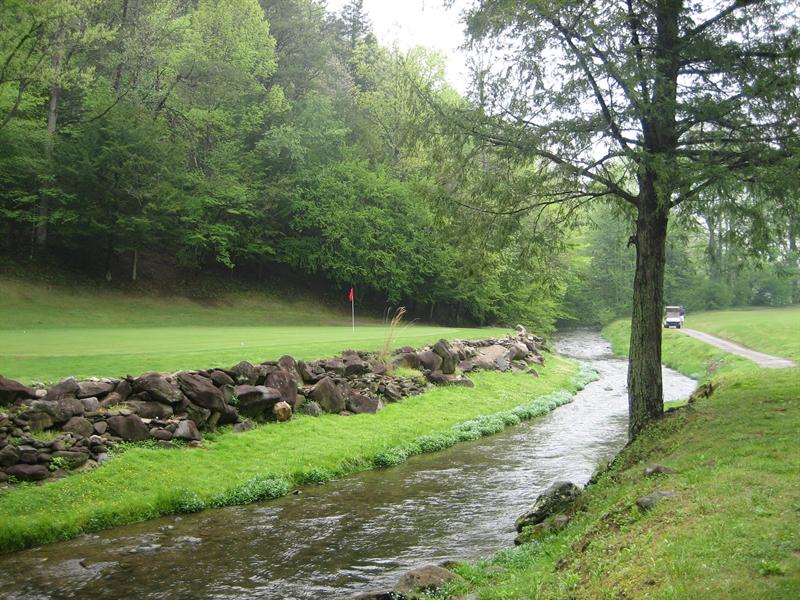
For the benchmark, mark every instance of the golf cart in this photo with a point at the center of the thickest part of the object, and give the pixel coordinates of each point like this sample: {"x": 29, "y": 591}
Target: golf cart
{"x": 673, "y": 316}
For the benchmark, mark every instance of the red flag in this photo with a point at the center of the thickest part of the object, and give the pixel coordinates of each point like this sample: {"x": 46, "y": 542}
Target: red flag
{"x": 352, "y": 294}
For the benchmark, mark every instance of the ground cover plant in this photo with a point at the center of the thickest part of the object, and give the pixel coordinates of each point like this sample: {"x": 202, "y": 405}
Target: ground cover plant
{"x": 732, "y": 529}
{"x": 47, "y": 334}
{"x": 143, "y": 482}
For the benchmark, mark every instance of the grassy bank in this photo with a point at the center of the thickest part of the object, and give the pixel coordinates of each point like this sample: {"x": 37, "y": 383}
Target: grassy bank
{"x": 774, "y": 331}
{"x": 48, "y": 333}
{"x": 268, "y": 461}
{"x": 731, "y": 531}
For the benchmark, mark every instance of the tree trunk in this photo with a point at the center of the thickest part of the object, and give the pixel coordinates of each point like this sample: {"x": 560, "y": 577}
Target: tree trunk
{"x": 645, "y": 394}
{"x": 52, "y": 124}
{"x": 795, "y": 263}
{"x": 135, "y": 264}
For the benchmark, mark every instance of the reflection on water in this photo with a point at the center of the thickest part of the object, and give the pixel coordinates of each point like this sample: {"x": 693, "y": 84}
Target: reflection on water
{"x": 355, "y": 534}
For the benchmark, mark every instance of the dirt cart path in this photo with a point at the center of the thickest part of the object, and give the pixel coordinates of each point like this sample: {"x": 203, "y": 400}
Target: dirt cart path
{"x": 763, "y": 360}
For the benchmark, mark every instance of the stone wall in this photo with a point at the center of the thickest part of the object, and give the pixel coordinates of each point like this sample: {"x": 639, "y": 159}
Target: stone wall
{"x": 86, "y": 418}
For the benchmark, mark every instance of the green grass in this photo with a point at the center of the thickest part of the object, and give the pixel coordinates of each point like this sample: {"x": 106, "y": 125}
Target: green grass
{"x": 48, "y": 333}
{"x": 748, "y": 327}
{"x": 732, "y": 531}
{"x": 233, "y": 468}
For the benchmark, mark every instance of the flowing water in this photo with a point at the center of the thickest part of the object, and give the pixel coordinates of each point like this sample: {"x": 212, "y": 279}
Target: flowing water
{"x": 355, "y": 534}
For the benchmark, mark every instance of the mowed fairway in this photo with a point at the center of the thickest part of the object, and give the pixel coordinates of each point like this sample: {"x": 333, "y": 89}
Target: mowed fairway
{"x": 47, "y": 334}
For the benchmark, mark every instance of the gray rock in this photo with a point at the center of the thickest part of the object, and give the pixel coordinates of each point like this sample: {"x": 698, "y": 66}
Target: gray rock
{"x": 243, "y": 426}
{"x": 360, "y": 404}
{"x": 79, "y": 426}
{"x": 256, "y": 401}
{"x": 161, "y": 434}
{"x": 245, "y": 373}
{"x": 283, "y": 382}
{"x": 188, "y": 539}
{"x": 9, "y": 456}
{"x": 128, "y": 427}
{"x": 186, "y": 430}
{"x": 201, "y": 391}
{"x": 656, "y": 469}
{"x": 448, "y": 355}
{"x": 327, "y": 396}
{"x": 220, "y": 378}
{"x": 429, "y": 360}
{"x": 25, "y": 472}
{"x": 557, "y": 498}
{"x": 424, "y": 579}
{"x": 649, "y": 501}
{"x": 407, "y": 360}
{"x": 91, "y": 404}
{"x": 11, "y": 391}
{"x": 87, "y": 389}
{"x": 150, "y": 410}
{"x": 311, "y": 408}
{"x": 158, "y": 387}
{"x": 68, "y": 387}
{"x": 100, "y": 427}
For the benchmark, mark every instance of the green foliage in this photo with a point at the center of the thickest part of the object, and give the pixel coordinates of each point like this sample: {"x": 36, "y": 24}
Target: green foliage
{"x": 248, "y": 135}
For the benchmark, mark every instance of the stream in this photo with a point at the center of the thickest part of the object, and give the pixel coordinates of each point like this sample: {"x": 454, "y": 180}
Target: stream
{"x": 356, "y": 534}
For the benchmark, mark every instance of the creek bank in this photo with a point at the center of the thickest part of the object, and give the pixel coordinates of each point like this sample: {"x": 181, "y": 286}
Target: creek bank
{"x": 48, "y": 432}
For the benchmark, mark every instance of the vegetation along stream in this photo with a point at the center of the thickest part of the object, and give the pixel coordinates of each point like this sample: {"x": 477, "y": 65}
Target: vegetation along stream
{"x": 360, "y": 532}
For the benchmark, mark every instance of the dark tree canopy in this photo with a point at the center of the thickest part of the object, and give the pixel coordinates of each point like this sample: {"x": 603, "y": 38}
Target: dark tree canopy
{"x": 650, "y": 103}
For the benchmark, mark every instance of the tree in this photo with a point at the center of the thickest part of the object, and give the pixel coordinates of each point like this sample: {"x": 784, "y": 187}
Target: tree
{"x": 646, "y": 102}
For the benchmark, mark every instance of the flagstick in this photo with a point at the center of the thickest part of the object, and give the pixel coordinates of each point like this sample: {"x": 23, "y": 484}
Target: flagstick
{"x": 353, "y": 308}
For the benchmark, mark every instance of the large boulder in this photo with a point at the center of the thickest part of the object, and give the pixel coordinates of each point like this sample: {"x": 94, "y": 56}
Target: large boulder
{"x": 150, "y": 410}
{"x": 449, "y": 356}
{"x": 25, "y": 472}
{"x": 66, "y": 389}
{"x": 406, "y": 360}
{"x": 256, "y": 401}
{"x": 359, "y": 404}
{"x": 186, "y": 430}
{"x": 87, "y": 389}
{"x": 424, "y": 579}
{"x": 245, "y": 373}
{"x": 228, "y": 415}
{"x": 327, "y": 395}
{"x": 283, "y": 382}
{"x": 128, "y": 427}
{"x": 560, "y": 496}
{"x": 288, "y": 364}
{"x": 11, "y": 391}
{"x": 305, "y": 373}
{"x": 8, "y": 456}
{"x": 79, "y": 426}
{"x": 518, "y": 350}
{"x": 490, "y": 358}
{"x": 220, "y": 378}
{"x": 201, "y": 391}
{"x": 429, "y": 360}
{"x": 335, "y": 365}
{"x": 158, "y": 387}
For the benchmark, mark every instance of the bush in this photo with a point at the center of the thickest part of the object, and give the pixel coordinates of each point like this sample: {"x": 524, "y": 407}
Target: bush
{"x": 253, "y": 490}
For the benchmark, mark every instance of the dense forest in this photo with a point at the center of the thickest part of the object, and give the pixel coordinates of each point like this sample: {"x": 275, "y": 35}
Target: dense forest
{"x": 277, "y": 137}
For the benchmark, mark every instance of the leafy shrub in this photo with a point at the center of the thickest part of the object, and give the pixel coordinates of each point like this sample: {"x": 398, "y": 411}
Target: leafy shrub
{"x": 186, "y": 501}
{"x": 390, "y": 458}
{"x": 253, "y": 490}
{"x": 315, "y": 475}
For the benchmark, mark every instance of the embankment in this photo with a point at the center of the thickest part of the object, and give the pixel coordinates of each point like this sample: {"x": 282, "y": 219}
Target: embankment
{"x": 715, "y": 515}
{"x": 141, "y": 482}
